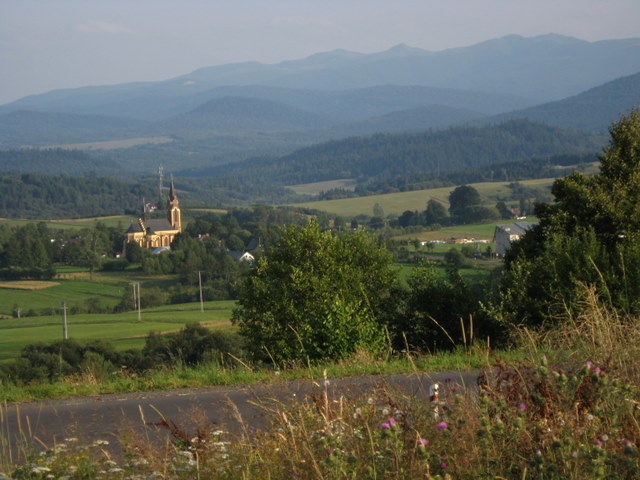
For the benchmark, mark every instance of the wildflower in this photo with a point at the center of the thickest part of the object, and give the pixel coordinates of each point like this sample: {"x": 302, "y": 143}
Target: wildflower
{"x": 598, "y": 442}
{"x": 385, "y": 426}
{"x": 589, "y": 364}
{"x": 391, "y": 421}
{"x": 604, "y": 437}
{"x": 385, "y": 411}
{"x": 40, "y": 470}
{"x": 597, "y": 370}
{"x": 370, "y": 401}
{"x": 522, "y": 406}
{"x": 442, "y": 426}
{"x": 443, "y": 465}
{"x": 423, "y": 442}
{"x": 590, "y": 417}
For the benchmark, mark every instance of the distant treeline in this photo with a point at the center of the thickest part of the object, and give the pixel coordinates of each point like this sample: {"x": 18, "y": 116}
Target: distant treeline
{"x": 386, "y": 156}
{"x": 38, "y": 196}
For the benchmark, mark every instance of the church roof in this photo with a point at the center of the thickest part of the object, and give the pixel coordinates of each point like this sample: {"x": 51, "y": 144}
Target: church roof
{"x": 153, "y": 225}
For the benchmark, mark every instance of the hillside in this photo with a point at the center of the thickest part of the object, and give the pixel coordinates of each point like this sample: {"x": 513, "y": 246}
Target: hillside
{"x": 387, "y": 156}
{"x": 593, "y": 110}
{"x": 38, "y": 196}
{"x": 232, "y": 114}
{"x": 55, "y": 161}
{"x": 23, "y": 127}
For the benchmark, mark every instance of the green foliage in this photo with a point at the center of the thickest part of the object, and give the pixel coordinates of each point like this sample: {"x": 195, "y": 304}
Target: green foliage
{"x": 589, "y": 236}
{"x": 38, "y": 195}
{"x": 316, "y": 295}
{"x": 194, "y": 344}
{"x": 434, "y": 307}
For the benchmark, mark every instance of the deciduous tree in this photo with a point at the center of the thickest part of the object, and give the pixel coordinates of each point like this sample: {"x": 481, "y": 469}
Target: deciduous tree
{"x": 317, "y": 294}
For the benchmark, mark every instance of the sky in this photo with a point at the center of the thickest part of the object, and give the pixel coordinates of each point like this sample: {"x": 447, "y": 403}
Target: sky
{"x": 52, "y": 44}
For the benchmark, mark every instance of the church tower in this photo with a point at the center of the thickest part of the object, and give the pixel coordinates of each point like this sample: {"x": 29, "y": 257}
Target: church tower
{"x": 173, "y": 209}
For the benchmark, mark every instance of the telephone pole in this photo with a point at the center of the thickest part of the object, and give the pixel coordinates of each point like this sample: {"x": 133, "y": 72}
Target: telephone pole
{"x": 65, "y": 331}
{"x": 200, "y": 285}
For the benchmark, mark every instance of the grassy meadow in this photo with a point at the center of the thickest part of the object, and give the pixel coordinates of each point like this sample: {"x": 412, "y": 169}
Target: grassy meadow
{"x": 118, "y": 221}
{"x": 397, "y": 203}
{"x": 123, "y": 330}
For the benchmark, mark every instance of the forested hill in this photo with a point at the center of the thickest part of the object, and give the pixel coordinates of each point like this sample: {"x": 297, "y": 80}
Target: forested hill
{"x": 38, "y": 196}
{"x": 55, "y": 161}
{"x": 387, "y": 156}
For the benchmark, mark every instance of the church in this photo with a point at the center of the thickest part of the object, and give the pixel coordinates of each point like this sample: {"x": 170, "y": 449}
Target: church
{"x": 158, "y": 232}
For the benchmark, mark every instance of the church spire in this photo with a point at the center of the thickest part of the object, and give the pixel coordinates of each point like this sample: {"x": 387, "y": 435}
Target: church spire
{"x": 173, "y": 208}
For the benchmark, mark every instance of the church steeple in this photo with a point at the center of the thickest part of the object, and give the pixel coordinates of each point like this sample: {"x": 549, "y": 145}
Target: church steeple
{"x": 173, "y": 208}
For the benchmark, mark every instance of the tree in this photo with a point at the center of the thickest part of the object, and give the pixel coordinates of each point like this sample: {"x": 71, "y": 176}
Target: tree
{"x": 461, "y": 201}
{"x": 435, "y": 213}
{"x": 316, "y": 294}
{"x": 503, "y": 210}
{"x": 590, "y": 235}
{"x": 433, "y": 309}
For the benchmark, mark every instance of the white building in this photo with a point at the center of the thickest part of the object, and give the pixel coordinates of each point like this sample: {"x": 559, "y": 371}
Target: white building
{"x": 505, "y": 234}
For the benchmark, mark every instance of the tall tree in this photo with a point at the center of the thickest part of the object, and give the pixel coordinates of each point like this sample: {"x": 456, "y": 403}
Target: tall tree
{"x": 589, "y": 235}
{"x": 317, "y": 294}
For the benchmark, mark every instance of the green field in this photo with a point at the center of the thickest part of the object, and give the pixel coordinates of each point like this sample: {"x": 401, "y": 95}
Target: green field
{"x": 123, "y": 330}
{"x": 117, "y": 221}
{"x": 73, "y": 286}
{"x": 397, "y": 203}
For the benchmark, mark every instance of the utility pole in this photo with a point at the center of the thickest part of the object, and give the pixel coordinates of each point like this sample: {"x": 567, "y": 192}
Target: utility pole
{"x": 139, "y": 312}
{"x": 135, "y": 286}
{"x": 160, "y": 182}
{"x": 200, "y": 285}
{"x": 65, "y": 331}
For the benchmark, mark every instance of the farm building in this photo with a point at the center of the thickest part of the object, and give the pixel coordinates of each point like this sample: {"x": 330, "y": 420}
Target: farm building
{"x": 505, "y": 234}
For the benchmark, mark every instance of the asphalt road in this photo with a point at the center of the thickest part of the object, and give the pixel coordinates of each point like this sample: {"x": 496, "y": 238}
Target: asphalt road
{"x": 233, "y": 409}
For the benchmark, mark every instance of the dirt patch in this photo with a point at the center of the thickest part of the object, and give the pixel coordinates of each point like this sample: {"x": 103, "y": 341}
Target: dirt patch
{"x": 28, "y": 285}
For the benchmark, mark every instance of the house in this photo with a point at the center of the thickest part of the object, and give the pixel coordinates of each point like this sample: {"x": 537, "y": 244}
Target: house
{"x": 505, "y": 234}
{"x": 242, "y": 256}
{"x": 157, "y": 232}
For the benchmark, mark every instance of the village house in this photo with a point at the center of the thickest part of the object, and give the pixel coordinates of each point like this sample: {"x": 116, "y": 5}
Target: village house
{"x": 505, "y": 234}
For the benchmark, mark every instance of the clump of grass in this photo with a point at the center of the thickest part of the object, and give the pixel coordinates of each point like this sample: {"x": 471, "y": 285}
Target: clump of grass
{"x": 597, "y": 333}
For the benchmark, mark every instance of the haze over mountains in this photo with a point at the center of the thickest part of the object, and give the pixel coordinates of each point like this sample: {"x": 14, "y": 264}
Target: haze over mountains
{"x": 231, "y": 113}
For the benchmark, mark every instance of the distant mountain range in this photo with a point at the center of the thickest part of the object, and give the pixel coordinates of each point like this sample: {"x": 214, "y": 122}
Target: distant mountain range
{"x": 230, "y": 113}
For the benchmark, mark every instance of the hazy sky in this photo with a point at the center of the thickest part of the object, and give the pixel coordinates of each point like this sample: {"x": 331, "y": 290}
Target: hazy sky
{"x": 50, "y": 44}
